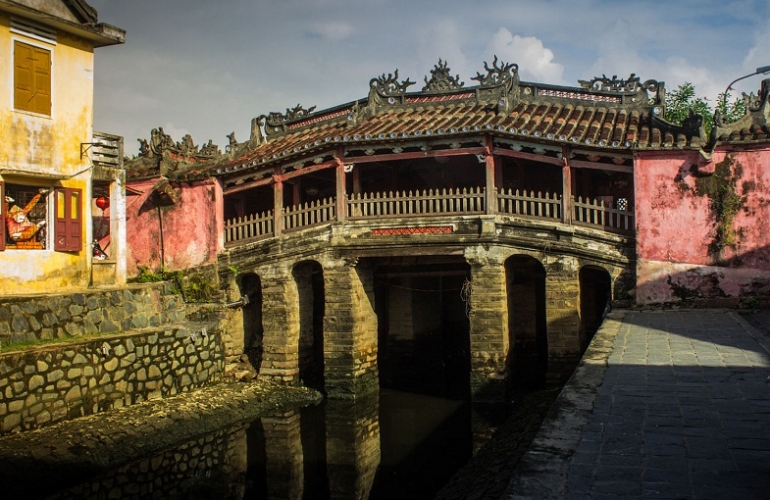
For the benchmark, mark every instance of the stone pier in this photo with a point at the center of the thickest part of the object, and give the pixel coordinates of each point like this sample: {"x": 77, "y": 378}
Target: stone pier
{"x": 488, "y": 327}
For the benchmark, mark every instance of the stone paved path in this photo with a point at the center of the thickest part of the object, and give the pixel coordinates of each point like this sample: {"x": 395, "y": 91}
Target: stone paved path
{"x": 671, "y": 404}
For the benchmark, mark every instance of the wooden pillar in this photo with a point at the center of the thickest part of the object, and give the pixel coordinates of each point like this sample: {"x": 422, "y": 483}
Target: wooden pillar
{"x": 277, "y": 202}
{"x": 492, "y": 165}
{"x": 356, "y": 180}
{"x": 296, "y": 186}
{"x": 488, "y": 328}
{"x": 566, "y": 189}
{"x": 342, "y": 199}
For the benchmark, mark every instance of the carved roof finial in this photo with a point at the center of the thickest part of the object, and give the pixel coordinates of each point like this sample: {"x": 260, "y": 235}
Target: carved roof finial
{"x": 441, "y": 80}
{"x": 502, "y": 75}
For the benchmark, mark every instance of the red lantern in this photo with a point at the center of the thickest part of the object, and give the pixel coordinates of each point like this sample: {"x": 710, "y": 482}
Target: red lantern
{"x": 102, "y": 202}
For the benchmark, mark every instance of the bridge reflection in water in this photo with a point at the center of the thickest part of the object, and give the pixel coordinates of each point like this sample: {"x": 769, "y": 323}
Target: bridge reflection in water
{"x": 392, "y": 446}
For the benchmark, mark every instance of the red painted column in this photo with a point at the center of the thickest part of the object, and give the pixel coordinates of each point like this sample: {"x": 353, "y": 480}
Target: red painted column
{"x": 492, "y": 165}
{"x": 566, "y": 190}
{"x": 342, "y": 200}
{"x": 277, "y": 202}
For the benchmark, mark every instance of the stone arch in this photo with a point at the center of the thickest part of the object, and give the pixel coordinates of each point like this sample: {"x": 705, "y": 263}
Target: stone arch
{"x": 527, "y": 321}
{"x": 250, "y": 286}
{"x": 595, "y": 296}
{"x": 309, "y": 280}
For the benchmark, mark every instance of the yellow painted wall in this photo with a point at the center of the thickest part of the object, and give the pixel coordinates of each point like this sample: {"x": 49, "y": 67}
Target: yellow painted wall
{"x": 41, "y": 150}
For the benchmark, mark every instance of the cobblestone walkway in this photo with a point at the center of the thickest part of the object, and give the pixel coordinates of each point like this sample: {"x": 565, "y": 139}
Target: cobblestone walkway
{"x": 672, "y": 404}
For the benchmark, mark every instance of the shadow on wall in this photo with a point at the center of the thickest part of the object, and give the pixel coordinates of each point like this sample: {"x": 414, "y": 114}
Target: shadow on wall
{"x": 741, "y": 281}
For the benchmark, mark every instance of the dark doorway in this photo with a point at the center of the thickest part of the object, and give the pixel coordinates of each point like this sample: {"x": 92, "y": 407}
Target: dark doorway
{"x": 253, "y": 331}
{"x": 595, "y": 296}
{"x": 423, "y": 327}
{"x": 528, "y": 355}
{"x": 309, "y": 279}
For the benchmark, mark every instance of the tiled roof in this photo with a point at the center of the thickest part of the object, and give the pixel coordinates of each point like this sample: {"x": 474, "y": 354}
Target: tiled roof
{"x": 605, "y": 115}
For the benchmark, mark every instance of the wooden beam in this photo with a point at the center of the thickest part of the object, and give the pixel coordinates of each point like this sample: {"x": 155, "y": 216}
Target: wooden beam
{"x": 248, "y": 185}
{"x": 414, "y": 155}
{"x": 527, "y": 156}
{"x": 601, "y": 166}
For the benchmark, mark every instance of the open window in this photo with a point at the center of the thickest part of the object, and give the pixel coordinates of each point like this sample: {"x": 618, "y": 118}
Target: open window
{"x": 25, "y": 215}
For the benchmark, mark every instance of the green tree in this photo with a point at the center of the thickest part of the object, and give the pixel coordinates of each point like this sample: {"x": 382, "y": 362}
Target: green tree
{"x": 682, "y": 100}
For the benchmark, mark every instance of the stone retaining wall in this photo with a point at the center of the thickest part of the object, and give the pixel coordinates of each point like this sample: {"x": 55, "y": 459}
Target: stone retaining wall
{"x": 47, "y": 384}
{"x": 47, "y": 317}
{"x": 206, "y": 467}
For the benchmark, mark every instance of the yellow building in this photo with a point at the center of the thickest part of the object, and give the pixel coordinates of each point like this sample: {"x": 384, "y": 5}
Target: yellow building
{"x": 61, "y": 183}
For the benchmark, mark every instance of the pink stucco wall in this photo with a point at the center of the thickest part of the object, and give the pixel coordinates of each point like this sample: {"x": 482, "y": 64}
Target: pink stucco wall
{"x": 192, "y": 228}
{"x": 676, "y": 226}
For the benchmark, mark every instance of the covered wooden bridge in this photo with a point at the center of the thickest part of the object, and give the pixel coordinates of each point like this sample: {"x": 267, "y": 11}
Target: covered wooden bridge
{"x": 460, "y": 238}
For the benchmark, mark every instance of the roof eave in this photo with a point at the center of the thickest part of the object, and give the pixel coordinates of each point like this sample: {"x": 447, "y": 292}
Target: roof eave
{"x": 101, "y": 34}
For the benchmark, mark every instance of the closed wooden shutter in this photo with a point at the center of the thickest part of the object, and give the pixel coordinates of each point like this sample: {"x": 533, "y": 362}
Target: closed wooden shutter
{"x": 68, "y": 220}
{"x": 32, "y": 79}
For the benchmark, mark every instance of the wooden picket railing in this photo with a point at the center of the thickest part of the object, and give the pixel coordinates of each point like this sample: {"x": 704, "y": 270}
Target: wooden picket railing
{"x": 536, "y": 205}
{"x": 595, "y": 213}
{"x": 427, "y": 203}
{"x": 310, "y": 214}
{"x": 249, "y": 227}
{"x": 417, "y": 203}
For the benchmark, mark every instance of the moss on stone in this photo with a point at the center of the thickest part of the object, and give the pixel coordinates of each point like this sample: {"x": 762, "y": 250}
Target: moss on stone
{"x": 724, "y": 202}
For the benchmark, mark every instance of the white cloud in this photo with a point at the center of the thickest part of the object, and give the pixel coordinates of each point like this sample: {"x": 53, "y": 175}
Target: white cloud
{"x": 442, "y": 40}
{"x": 534, "y": 59}
{"x": 334, "y": 31}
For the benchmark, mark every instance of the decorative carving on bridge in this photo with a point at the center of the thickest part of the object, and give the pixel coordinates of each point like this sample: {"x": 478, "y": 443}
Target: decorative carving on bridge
{"x": 504, "y": 74}
{"x": 276, "y": 122}
{"x": 631, "y": 86}
{"x": 388, "y": 86}
{"x": 386, "y": 90}
{"x": 500, "y": 86}
{"x": 757, "y": 116}
{"x": 441, "y": 80}
{"x": 160, "y": 142}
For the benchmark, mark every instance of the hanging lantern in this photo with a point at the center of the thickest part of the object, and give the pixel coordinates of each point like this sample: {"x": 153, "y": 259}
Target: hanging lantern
{"x": 102, "y": 202}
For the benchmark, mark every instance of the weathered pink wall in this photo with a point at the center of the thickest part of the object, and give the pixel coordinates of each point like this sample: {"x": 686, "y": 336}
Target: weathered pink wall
{"x": 676, "y": 226}
{"x": 193, "y": 227}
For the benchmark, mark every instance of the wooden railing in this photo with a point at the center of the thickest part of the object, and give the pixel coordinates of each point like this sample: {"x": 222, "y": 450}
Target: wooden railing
{"x": 596, "y": 214}
{"x": 249, "y": 227}
{"x": 540, "y": 206}
{"x": 417, "y": 203}
{"x": 428, "y": 203}
{"x": 313, "y": 213}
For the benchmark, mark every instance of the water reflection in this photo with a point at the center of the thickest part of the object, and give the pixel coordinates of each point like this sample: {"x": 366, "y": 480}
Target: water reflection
{"x": 397, "y": 445}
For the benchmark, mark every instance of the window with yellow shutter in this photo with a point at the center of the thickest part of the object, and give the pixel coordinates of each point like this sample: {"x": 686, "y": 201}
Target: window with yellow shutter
{"x": 32, "y": 78}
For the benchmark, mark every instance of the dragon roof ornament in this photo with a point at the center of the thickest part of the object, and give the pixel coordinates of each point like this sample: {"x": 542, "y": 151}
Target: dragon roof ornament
{"x": 504, "y": 74}
{"x": 441, "y": 80}
{"x": 631, "y": 86}
{"x": 499, "y": 86}
{"x": 387, "y": 90}
{"x": 160, "y": 142}
{"x": 276, "y": 122}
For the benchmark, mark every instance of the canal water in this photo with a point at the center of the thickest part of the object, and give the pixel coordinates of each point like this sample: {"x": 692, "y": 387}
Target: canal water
{"x": 395, "y": 445}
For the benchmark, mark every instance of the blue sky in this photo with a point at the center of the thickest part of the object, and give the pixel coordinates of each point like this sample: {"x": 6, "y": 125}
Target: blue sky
{"x": 207, "y": 68}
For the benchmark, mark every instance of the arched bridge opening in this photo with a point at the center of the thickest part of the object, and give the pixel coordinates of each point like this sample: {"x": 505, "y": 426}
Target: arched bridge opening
{"x": 423, "y": 325}
{"x": 309, "y": 279}
{"x": 250, "y": 287}
{"x": 595, "y": 299}
{"x": 528, "y": 352}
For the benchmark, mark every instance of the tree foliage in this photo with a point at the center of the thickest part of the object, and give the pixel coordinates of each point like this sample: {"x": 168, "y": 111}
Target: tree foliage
{"x": 682, "y": 100}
